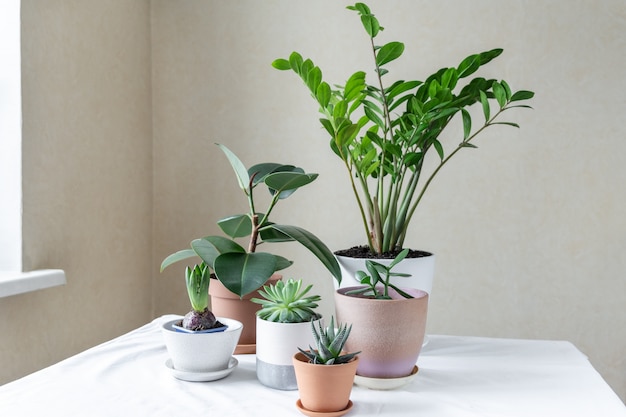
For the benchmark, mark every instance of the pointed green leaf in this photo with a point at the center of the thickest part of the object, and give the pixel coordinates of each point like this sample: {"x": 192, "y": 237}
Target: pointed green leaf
{"x": 240, "y": 170}
{"x": 178, "y": 256}
{"x": 500, "y": 93}
{"x": 371, "y": 25}
{"x": 236, "y": 226}
{"x": 439, "y": 148}
{"x": 522, "y": 95}
{"x": 287, "y": 181}
{"x": 295, "y": 62}
{"x": 316, "y": 246}
{"x": 281, "y": 64}
{"x": 389, "y": 52}
{"x": 467, "y": 124}
{"x": 323, "y": 94}
{"x": 485, "y": 102}
{"x": 262, "y": 170}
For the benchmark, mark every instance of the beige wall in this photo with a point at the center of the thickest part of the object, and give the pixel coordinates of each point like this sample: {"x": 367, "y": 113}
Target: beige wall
{"x": 528, "y": 229}
{"x": 87, "y": 179}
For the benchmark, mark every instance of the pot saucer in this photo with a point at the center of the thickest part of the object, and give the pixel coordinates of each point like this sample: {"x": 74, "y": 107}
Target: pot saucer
{"x": 202, "y": 376}
{"x": 385, "y": 383}
{"x": 321, "y": 413}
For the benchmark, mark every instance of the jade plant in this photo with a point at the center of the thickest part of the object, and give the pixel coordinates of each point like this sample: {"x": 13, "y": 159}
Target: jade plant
{"x": 378, "y": 282}
{"x": 200, "y": 317}
{"x": 329, "y": 342}
{"x": 382, "y": 131}
{"x": 241, "y": 269}
{"x": 286, "y": 302}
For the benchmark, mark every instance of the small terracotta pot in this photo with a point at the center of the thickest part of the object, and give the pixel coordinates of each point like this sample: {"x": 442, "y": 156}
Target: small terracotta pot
{"x": 389, "y": 333}
{"x": 324, "y": 388}
{"x": 225, "y": 303}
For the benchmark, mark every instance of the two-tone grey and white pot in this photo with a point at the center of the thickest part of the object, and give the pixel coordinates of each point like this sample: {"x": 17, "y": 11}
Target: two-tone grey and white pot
{"x": 276, "y": 343}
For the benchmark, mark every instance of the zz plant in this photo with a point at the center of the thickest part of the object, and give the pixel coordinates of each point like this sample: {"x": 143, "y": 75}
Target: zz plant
{"x": 286, "y": 302}
{"x": 244, "y": 269}
{"x": 383, "y": 131}
{"x": 329, "y": 342}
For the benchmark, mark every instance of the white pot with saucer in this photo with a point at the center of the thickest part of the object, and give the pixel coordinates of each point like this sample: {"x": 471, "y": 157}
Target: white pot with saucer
{"x": 201, "y": 356}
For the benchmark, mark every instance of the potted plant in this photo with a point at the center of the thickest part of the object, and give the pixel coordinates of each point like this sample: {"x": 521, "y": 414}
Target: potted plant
{"x": 283, "y": 324}
{"x": 383, "y": 131}
{"x": 380, "y": 312}
{"x": 201, "y": 345}
{"x": 239, "y": 270}
{"x": 325, "y": 374}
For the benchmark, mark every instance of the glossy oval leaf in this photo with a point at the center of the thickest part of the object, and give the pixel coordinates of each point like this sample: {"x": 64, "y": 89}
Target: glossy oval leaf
{"x": 281, "y": 64}
{"x": 288, "y": 181}
{"x": 389, "y": 52}
{"x": 239, "y": 225}
{"x": 210, "y": 247}
{"x": 243, "y": 273}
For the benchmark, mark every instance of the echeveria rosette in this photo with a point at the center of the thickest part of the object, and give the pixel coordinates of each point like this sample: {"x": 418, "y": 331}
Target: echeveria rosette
{"x": 286, "y": 302}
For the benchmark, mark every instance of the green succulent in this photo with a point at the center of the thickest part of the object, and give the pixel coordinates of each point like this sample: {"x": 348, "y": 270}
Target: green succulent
{"x": 377, "y": 283}
{"x": 329, "y": 342}
{"x": 284, "y": 302}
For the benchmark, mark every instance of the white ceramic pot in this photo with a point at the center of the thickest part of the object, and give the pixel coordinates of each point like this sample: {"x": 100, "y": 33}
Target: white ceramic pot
{"x": 422, "y": 271}
{"x": 201, "y": 352}
{"x": 276, "y": 343}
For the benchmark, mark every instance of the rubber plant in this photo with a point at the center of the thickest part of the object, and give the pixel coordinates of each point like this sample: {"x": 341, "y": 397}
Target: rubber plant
{"x": 383, "y": 131}
{"x": 241, "y": 269}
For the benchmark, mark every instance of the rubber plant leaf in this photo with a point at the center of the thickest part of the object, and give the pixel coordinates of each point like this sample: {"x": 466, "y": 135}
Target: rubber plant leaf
{"x": 243, "y": 273}
{"x": 178, "y": 256}
{"x": 210, "y": 247}
{"x": 315, "y": 245}
{"x": 240, "y": 170}
{"x": 235, "y": 226}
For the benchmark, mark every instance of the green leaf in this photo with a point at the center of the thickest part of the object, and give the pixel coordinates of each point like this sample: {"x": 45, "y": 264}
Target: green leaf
{"x": 240, "y": 170}
{"x": 468, "y": 145}
{"x": 500, "y": 93}
{"x": 281, "y": 64}
{"x": 340, "y": 109}
{"x": 323, "y": 94}
{"x": 328, "y": 126}
{"x": 242, "y": 273}
{"x": 373, "y": 117}
{"x": 522, "y": 95}
{"x": 467, "y": 123}
{"x": 295, "y": 62}
{"x": 439, "y": 148}
{"x": 468, "y": 66}
{"x": 314, "y": 78}
{"x": 485, "y": 102}
{"x": 236, "y": 226}
{"x": 315, "y": 245}
{"x": 210, "y": 247}
{"x": 389, "y": 52}
{"x": 177, "y": 256}
{"x": 282, "y": 182}
{"x": 346, "y": 134}
{"x": 371, "y": 24}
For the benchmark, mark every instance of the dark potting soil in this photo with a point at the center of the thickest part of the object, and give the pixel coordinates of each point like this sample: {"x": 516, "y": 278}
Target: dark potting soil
{"x": 365, "y": 253}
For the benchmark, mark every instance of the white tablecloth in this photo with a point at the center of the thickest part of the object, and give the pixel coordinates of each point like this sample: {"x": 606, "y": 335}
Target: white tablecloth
{"x": 458, "y": 376}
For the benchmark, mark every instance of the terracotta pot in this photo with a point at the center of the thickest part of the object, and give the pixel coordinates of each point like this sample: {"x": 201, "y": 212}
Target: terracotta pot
{"x": 225, "y": 303}
{"x": 389, "y": 333}
{"x": 324, "y": 388}
{"x": 276, "y": 343}
{"x": 422, "y": 271}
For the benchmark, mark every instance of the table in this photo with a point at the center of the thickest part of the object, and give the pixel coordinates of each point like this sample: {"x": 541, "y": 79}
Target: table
{"x": 458, "y": 376}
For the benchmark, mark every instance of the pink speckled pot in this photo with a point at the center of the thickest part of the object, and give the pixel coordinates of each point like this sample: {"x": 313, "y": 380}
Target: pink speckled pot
{"x": 389, "y": 333}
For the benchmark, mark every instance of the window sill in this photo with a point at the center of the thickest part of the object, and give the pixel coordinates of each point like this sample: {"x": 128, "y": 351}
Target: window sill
{"x": 12, "y": 283}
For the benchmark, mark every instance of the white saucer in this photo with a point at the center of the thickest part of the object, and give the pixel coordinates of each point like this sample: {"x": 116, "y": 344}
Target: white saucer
{"x": 385, "y": 383}
{"x": 202, "y": 376}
